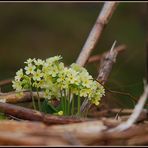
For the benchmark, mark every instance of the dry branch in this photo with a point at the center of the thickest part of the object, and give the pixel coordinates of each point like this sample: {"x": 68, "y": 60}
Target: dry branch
{"x": 5, "y": 82}
{"x": 105, "y": 69}
{"x": 33, "y": 115}
{"x": 102, "y": 20}
{"x": 106, "y": 64}
{"x": 97, "y": 58}
{"x": 136, "y": 112}
{"x": 84, "y": 133}
{"x": 138, "y": 140}
{"x": 123, "y": 115}
{"x": 17, "y": 97}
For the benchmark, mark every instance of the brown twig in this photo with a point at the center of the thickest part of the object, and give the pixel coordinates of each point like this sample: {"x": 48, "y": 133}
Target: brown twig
{"x": 5, "y": 82}
{"x": 17, "y": 97}
{"x": 136, "y": 112}
{"x": 14, "y": 118}
{"x": 112, "y": 112}
{"x": 97, "y": 58}
{"x": 102, "y": 20}
{"x": 106, "y": 64}
{"x": 33, "y": 115}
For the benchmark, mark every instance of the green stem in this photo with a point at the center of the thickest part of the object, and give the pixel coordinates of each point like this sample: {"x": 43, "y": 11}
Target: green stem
{"x": 39, "y": 102}
{"x": 69, "y": 93}
{"x": 65, "y": 103}
{"x": 53, "y": 107}
{"x": 72, "y": 109}
{"x": 79, "y": 103}
{"x": 62, "y": 101}
{"x": 33, "y": 100}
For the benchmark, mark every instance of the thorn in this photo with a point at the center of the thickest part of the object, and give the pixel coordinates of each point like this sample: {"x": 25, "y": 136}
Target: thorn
{"x": 113, "y": 46}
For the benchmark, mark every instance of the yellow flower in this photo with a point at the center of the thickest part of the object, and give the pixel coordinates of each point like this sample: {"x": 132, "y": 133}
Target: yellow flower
{"x": 39, "y": 62}
{"x": 78, "y": 68}
{"x": 30, "y": 69}
{"x": 71, "y": 76}
{"x": 45, "y": 66}
{"x": 52, "y": 70}
{"x": 37, "y": 75}
{"x": 96, "y": 102}
{"x": 53, "y": 59}
{"x": 19, "y": 75}
{"x": 47, "y": 94}
{"x": 61, "y": 66}
{"x": 29, "y": 61}
{"x": 61, "y": 78}
{"x": 17, "y": 85}
{"x": 86, "y": 83}
{"x": 42, "y": 84}
{"x": 83, "y": 93}
{"x": 60, "y": 113}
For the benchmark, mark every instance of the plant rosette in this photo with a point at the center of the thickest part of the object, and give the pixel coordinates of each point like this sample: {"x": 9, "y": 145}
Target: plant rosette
{"x": 69, "y": 85}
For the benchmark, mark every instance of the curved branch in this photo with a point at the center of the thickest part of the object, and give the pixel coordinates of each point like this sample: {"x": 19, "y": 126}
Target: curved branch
{"x": 33, "y": 115}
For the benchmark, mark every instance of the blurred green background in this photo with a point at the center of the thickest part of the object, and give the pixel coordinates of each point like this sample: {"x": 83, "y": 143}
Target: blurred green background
{"x": 41, "y": 30}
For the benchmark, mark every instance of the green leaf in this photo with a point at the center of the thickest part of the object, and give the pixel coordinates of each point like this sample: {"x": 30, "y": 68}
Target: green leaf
{"x": 2, "y": 116}
{"x": 59, "y": 107}
{"x": 47, "y": 108}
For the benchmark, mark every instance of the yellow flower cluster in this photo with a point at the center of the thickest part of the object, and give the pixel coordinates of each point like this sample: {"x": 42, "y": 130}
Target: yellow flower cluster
{"x": 55, "y": 80}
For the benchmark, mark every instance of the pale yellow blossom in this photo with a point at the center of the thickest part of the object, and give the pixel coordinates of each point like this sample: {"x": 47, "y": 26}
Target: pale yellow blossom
{"x": 19, "y": 75}
{"x": 37, "y": 75}
{"x": 30, "y": 69}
